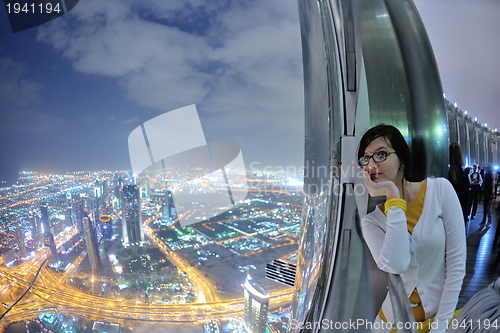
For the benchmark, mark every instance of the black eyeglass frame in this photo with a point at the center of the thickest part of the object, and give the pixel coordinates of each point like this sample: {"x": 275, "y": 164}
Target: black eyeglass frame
{"x": 377, "y": 157}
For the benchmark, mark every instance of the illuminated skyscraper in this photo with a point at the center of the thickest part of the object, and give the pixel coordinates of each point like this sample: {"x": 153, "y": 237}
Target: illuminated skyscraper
{"x": 48, "y": 241}
{"x": 105, "y": 223}
{"x": 48, "y": 238}
{"x": 92, "y": 243}
{"x": 146, "y": 190}
{"x": 104, "y": 193}
{"x": 169, "y": 208}
{"x": 44, "y": 211}
{"x": 132, "y": 229}
{"x": 69, "y": 221}
{"x": 256, "y": 305}
{"x": 78, "y": 213}
{"x": 118, "y": 187}
{"x": 35, "y": 228}
{"x": 106, "y": 227}
{"x": 77, "y": 206}
{"x": 100, "y": 195}
{"x": 20, "y": 241}
{"x": 92, "y": 203}
{"x": 69, "y": 200}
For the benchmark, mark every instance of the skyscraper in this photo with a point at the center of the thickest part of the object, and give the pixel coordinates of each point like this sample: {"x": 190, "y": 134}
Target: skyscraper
{"x": 256, "y": 305}
{"x": 20, "y": 241}
{"x": 92, "y": 243}
{"x": 44, "y": 211}
{"x": 169, "y": 207}
{"x": 78, "y": 211}
{"x": 35, "y": 228}
{"x": 48, "y": 241}
{"x": 118, "y": 186}
{"x": 105, "y": 194}
{"x": 48, "y": 238}
{"x": 92, "y": 203}
{"x": 105, "y": 223}
{"x": 106, "y": 227}
{"x": 146, "y": 190}
{"x": 69, "y": 221}
{"x": 132, "y": 229}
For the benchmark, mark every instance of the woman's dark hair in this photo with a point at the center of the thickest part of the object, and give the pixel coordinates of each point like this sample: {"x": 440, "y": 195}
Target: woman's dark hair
{"x": 395, "y": 140}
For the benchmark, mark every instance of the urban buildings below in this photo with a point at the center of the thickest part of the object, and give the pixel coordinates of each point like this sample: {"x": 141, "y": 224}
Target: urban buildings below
{"x": 92, "y": 244}
{"x": 256, "y": 307}
{"x": 175, "y": 267}
{"x": 131, "y": 206}
{"x": 169, "y": 207}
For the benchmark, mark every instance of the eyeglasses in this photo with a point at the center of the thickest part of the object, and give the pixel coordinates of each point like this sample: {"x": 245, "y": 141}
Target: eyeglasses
{"x": 377, "y": 157}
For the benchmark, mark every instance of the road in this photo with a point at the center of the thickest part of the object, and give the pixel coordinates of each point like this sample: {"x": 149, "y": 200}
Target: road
{"x": 50, "y": 293}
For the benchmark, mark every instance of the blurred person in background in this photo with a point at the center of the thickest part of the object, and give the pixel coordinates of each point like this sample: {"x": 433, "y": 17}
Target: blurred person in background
{"x": 459, "y": 178}
{"x": 476, "y": 183}
{"x": 487, "y": 194}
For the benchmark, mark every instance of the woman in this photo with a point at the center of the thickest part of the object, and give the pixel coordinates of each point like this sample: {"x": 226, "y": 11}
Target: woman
{"x": 418, "y": 232}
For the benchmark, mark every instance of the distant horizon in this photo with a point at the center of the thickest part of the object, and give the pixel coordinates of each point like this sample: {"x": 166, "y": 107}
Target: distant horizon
{"x": 268, "y": 169}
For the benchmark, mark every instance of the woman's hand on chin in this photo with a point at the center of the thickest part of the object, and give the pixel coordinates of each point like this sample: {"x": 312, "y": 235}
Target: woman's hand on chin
{"x": 380, "y": 188}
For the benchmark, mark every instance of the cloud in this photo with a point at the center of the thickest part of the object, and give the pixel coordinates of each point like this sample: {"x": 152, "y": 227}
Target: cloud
{"x": 155, "y": 63}
{"x": 19, "y": 100}
{"x": 16, "y": 89}
{"x": 130, "y": 121}
{"x": 176, "y": 10}
{"x": 263, "y": 61}
{"x": 238, "y": 61}
{"x": 162, "y": 66}
{"x": 32, "y": 122}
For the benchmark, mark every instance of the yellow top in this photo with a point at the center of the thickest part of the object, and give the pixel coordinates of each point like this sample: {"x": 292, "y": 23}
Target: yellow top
{"x": 415, "y": 208}
{"x": 413, "y": 213}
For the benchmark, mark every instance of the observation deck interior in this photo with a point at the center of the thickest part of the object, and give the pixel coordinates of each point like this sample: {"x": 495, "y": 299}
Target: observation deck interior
{"x": 481, "y": 255}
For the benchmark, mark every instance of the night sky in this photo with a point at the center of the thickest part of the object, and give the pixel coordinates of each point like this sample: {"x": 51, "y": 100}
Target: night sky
{"x": 72, "y": 90}
{"x": 464, "y": 37}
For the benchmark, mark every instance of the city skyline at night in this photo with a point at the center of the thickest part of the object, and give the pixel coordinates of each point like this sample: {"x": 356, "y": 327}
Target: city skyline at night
{"x": 204, "y": 263}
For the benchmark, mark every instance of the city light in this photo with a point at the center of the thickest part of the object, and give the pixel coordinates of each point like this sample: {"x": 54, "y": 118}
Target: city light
{"x": 92, "y": 273}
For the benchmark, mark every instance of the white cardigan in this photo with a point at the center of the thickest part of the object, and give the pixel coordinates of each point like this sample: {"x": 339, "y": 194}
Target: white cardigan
{"x": 432, "y": 258}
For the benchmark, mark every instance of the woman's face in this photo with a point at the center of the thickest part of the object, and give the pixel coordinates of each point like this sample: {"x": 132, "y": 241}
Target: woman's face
{"x": 390, "y": 169}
